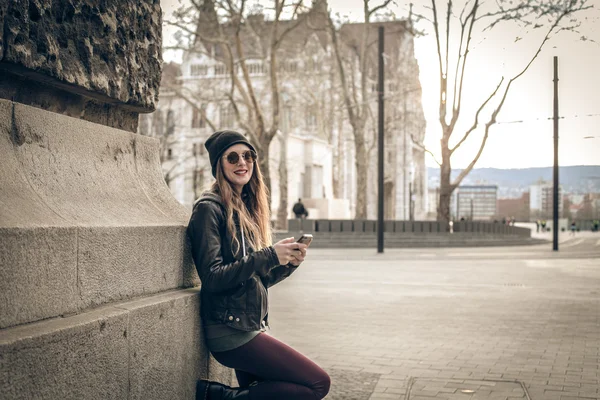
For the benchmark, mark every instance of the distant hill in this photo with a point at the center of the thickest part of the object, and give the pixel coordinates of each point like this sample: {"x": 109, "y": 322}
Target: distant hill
{"x": 513, "y": 182}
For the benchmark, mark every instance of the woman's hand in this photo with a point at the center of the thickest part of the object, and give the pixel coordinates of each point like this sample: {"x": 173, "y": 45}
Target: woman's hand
{"x": 290, "y": 251}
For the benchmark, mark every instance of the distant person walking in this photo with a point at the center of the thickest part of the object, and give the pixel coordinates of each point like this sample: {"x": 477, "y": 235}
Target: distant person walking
{"x": 299, "y": 210}
{"x": 537, "y": 225}
{"x": 573, "y": 228}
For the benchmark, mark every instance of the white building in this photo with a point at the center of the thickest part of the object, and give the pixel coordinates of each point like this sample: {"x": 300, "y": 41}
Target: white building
{"x": 541, "y": 200}
{"x": 320, "y": 152}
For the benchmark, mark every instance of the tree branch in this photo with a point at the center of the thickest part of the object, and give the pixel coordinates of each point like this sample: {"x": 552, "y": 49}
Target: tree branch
{"x": 425, "y": 149}
{"x": 476, "y": 121}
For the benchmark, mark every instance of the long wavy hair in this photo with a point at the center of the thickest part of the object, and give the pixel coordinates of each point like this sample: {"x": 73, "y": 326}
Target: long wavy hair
{"x": 251, "y": 208}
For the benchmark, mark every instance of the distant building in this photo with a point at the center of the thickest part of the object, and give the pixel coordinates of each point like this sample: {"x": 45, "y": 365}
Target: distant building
{"x": 321, "y": 154}
{"x": 433, "y": 196}
{"x": 518, "y": 208}
{"x": 540, "y": 201}
{"x": 477, "y": 202}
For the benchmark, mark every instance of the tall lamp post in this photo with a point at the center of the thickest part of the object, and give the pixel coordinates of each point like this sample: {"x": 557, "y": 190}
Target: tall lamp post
{"x": 555, "y": 169}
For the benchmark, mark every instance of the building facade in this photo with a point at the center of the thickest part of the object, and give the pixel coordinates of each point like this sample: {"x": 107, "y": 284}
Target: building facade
{"x": 475, "y": 202}
{"x": 518, "y": 208}
{"x": 541, "y": 200}
{"x": 314, "y": 139}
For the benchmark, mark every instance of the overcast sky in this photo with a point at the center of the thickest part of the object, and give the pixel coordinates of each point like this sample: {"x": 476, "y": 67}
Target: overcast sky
{"x": 524, "y": 138}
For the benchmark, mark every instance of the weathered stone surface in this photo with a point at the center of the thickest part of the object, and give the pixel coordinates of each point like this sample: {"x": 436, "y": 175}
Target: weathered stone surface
{"x": 167, "y": 347}
{"x": 116, "y": 263}
{"x": 85, "y": 217}
{"x": 108, "y": 50}
{"x": 91, "y": 176}
{"x": 150, "y": 348}
{"x": 80, "y": 357}
{"x": 38, "y": 275}
{"x": 48, "y": 97}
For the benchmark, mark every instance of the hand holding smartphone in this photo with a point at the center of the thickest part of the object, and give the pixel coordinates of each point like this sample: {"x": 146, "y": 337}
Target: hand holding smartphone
{"x": 305, "y": 239}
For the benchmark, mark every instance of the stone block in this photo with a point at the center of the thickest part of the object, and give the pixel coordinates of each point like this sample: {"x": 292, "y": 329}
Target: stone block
{"x": 322, "y": 225}
{"x": 88, "y": 176}
{"x": 38, "y": 274}
{"x": 93, "y": 203}
{"x": 308, "y": 225}
{"x": 335, "y": 225}
{"x": 20, "y": 206}
{"x": 294, "y": 225}
{"x": 148, "y": 348}
{"x": 388, "y": 226}
{"x": 399, "y": 226}
{"x": 116, "y": 263}
{"x": 108, "y": 50}
{"x": 347, "y": 226}
{"x": 81, "y": 357}
{"x": 167, "y": 352}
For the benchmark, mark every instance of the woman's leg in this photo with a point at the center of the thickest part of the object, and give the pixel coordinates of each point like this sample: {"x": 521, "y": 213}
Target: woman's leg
{"x": 245, "y": 379}
{"x": 285, "y": 373}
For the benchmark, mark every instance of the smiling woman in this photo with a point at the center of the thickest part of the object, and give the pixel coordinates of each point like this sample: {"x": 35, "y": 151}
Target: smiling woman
{"x": 239, "y": 166}
{"x": 230, "y": 236}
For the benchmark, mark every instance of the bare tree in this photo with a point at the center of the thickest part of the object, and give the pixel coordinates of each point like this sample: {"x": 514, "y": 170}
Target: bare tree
{"x": 355, "y": 92}
{"x": 532, "y": 14}
{"x": 227, "y": 32}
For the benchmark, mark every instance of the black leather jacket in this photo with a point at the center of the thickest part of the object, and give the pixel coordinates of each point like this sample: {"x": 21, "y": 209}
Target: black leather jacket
{"x": 234, "y": 287}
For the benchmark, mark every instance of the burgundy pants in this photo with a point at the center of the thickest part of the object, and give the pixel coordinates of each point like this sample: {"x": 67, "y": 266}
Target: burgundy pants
{"x": 281, "y": 372}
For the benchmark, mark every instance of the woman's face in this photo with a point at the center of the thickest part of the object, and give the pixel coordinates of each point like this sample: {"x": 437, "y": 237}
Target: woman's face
{"x": 237, "y": 174}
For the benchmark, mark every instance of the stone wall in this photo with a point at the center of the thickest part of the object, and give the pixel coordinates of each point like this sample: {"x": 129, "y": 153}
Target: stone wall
{"x": 105, "y": 53}
{"x": 97, "y": 296}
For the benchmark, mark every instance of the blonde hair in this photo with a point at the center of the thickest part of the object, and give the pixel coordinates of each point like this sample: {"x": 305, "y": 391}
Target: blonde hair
{"x": 253, "y": 214}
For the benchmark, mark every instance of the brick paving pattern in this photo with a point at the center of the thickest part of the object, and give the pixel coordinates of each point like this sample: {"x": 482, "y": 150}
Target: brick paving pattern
{"x": 351, "y": 385}
{"x": 436, "y": 317}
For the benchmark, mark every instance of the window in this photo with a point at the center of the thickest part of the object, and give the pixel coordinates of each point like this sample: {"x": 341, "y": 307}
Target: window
{"x": 226, "y": 116}
{"x": 312, "y": 66}
{"x": 169, "y": 154}
{"x": 198, "y": 119}
{"x": 198, "y": 70}
{"x": 255, "y": 68}
{"x": 288, "y": 66}
{"x": 220, "y": 70}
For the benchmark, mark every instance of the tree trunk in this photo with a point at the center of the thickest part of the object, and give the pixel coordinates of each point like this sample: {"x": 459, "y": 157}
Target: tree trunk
{"x": 362, "y": 169}
{"x": 282, "y": 211}
{"x": 446, "y": 187}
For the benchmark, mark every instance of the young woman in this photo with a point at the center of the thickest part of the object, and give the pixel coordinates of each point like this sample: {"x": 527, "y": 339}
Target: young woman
{"x": 231, "y": 246}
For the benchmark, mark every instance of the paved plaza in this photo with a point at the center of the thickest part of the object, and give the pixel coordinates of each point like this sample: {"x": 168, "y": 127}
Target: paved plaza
{"x": 468, "y": 323}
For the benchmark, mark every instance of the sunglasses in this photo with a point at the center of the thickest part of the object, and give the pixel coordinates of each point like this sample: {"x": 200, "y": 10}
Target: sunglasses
{"x": 249, "y": 156}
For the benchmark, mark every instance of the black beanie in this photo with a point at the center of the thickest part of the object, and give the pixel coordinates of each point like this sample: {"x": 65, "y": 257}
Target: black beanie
{"x": 220, "y": 141}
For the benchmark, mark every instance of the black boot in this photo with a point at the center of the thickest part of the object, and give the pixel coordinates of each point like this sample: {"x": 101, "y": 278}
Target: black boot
{"x": 206, "y": 390}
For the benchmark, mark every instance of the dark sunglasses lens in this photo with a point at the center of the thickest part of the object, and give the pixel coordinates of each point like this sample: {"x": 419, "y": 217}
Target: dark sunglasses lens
{"x": 233, "y": 157}
{"x": 250, "y": 156}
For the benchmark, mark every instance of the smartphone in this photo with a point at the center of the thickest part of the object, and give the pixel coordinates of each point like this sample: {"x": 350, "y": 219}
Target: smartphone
{"x": 305, "y": 239}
